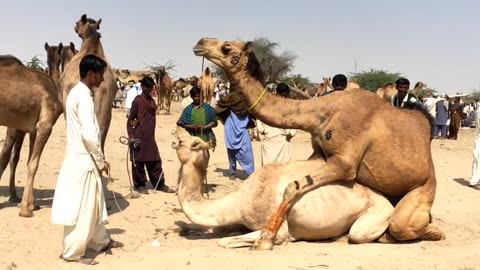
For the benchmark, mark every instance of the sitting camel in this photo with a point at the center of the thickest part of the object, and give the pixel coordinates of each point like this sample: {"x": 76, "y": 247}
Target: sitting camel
{"x": 372, "y": 144}
{"x": 326, "y": 212}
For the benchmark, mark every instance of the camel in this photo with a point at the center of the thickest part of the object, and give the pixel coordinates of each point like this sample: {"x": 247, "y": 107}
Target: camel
{"x": 86, "y": 28}
{"x": 178, "y": 88}
{"x": 66, "y": 55}
{"x": 389, "y": 90}
{"x": 350, "y": 141}
{"x": 30, "y": 103}
{"x": 164, "y": 90}
{"x": 53, "y": 60}
{"x": 125, "y": 75}
{"x": 206, "y": 85}
{"x": 326, "y": 212}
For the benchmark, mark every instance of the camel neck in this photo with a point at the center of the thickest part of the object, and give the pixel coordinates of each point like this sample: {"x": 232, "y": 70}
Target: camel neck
{"x": 54, "y": 72}
{"x": 280, "y": 112}
{"x": 92, "y": 44}
{"x": 202, "y": 211}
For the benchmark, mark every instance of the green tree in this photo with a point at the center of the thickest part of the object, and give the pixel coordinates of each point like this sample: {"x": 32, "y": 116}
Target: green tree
{"x": 474, "y": 95}
{"x": 297, "y": 79}
{"x": 374, "y": 79}
{"x": 156, "y": 68}
{"x": 274, "y": 65}
{"x": 35, "y": 63}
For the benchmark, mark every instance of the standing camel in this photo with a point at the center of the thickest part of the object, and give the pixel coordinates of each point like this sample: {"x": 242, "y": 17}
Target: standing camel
{"x": 86, "y": 29}
{"x": 351, "y": 140}
{"x": 30, "y": 102}
{"x": 164, "y": 90}
{"x": 206, "y": 85}
{"x": 66, "y": 55}
{"x": 326, "y": 212}
{"x": 15, "y": 137}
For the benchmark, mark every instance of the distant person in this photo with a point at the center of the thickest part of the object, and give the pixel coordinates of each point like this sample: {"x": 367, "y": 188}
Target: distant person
{"x": 339, "y": 83}
{"x": 441, "y": 118}
{"x": 455, "y": 118}
{"x": 402, "y": 96}
{"x": 132, "y": 93}
{"x": 475, "y": 179}
{"x": 276, "y": 146}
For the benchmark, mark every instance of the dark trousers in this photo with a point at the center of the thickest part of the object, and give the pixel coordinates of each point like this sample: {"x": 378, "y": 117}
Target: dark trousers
{"x": 155, "y": 173}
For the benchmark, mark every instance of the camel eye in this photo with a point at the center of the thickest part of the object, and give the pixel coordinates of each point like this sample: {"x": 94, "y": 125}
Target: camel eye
{"x": 226, "y": 49}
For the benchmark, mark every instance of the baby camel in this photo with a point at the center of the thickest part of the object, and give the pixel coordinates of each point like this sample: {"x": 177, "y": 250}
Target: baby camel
{"x": 326, "y": 212}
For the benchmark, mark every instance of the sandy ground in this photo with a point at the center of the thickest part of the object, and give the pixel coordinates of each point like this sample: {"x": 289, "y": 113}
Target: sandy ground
{"x": 36, "y": 243}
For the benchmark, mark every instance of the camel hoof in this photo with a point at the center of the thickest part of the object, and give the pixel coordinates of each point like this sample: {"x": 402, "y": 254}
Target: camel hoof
{"x": 25, "y": 213}
{"x": 14, "y": 199}
{"x": 262, "y": 244}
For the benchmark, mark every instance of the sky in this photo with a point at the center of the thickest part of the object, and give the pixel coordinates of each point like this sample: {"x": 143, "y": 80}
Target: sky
{"x": 436, "y": 42}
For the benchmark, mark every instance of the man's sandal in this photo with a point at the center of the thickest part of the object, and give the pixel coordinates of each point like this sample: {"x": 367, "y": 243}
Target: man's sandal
{"x": 112, "y": 244}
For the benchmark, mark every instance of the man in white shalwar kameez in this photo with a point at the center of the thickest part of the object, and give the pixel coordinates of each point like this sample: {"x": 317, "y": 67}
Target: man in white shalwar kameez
{"x": 276, "y": 146}
{"x": 79, "y": 202}
{"x": 475, "y": 179}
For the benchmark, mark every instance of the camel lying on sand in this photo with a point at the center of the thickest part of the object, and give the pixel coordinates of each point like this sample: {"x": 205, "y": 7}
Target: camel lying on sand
{"x": 356, "y": 136}
{"x": 326, "y": 212}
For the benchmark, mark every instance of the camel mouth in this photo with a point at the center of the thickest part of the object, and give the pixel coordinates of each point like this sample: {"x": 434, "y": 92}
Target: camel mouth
{"x": 199, "y": 51}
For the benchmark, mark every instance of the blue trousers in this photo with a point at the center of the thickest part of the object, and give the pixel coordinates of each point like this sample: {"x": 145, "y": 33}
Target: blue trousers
{"x": 244, "y": 157}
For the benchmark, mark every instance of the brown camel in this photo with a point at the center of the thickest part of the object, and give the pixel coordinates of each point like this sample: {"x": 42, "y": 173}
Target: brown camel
{"x": 350, "y": 140}
{"x": 126, "y": 75}
{"x": 15, "y": 136}
{"x": 53, "y": 60}
{"x": 324, "y": 213}
{"x": 206, "y": 85}
{"x": 178, "y": 88}
{"x": 66, "y": 55}
{"x": 164, "y": 90}
{"x": 86, "y": 29}
{"x": 33, "y": 109}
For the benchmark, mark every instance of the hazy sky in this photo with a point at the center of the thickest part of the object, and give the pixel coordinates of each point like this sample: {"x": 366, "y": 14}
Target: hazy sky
{"x": 436, "y": 42}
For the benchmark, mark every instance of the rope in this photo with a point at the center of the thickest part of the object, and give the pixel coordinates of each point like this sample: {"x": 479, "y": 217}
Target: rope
{"x": 259, "y": 99}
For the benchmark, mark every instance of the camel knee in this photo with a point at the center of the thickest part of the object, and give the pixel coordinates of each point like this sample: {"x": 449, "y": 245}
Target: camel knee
{"x": 409, "y": 229}
{"x": 291, "y": 191}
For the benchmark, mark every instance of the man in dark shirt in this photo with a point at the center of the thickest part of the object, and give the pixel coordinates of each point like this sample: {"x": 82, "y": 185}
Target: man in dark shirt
{"x": 144, "y": 153}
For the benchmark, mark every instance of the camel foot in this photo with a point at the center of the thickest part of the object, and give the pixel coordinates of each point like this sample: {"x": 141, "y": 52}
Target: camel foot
{"x": 25, "y": 213}
{"x": 264, "y": 242}
{"x": 387, "y": 238}
{"x": 14, "y": 199}
{"x": 433, "y": 233}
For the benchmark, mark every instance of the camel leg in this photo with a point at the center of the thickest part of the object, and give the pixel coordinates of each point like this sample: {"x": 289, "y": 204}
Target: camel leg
{"x": 411, "y": 218}
{"x": 168, "y": 102}
{"x": 14, "y": 159}
{"x": 245, "y": 240}
{"x": 5, "y": 156}
{"x": 334, "y": 170}
{"x": 44, "y": 129}
{"x": 249, "y": 239}
{"x": 372, "y": 223}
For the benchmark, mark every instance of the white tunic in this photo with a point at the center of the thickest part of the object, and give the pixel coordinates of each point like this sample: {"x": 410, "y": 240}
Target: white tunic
{"x": 83, "y": 140}
{"x": 275, "y": 147}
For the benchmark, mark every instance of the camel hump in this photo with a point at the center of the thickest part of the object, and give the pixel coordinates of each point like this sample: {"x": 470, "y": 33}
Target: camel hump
{"x": 9, "y": 60}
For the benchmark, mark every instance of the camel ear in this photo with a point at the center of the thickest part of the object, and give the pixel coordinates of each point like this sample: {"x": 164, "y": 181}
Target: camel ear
{"x": 72, "y": 47}
{"x": 84, "y": 19}
{"x": 60, "y": 48}
{"x": 248, "y": 46}
{"x": 46, "y": 46}
{"x": 98, "y": 24}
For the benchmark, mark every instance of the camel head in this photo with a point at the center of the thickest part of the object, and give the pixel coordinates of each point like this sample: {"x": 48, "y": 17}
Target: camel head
{"x": 66, "y": 55}
{"x": 53, "y": 54}
{"x": 191, "y": 149}
{"x": 85, "y": 27}
{"x": 234, "y": 57}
